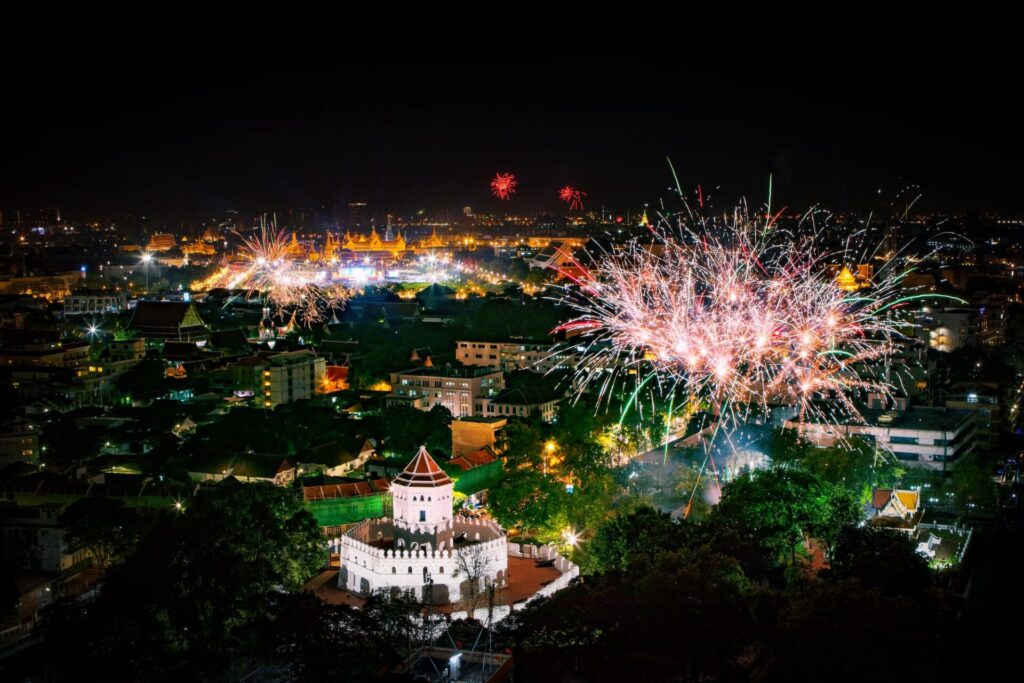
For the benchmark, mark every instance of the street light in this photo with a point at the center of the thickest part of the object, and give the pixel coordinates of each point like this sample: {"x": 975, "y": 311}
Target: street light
{"x": 549, "y": 449}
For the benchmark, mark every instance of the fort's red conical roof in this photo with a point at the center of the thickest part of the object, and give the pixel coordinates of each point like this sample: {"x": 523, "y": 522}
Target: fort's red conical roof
{"x": 422, "y": 471}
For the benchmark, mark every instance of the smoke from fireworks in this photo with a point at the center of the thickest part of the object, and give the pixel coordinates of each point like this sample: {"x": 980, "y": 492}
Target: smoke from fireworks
{"x": 504, "y": 185}
{"x": 572, "y": 197}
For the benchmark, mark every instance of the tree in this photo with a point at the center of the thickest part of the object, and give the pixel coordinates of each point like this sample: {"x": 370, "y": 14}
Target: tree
{"x": 200, "y": 583}
{"x": 853, "y": 463}
{"x": 684, "y": 616}
{"x": 789, "y": 447}
{"x": 882, "y": 559}
{"x": 64, "y": 444}
{"x": 526, "y": 498}
{"x": 106, "y": 527}
{"x": 317, "y": 641}
{"x": 844, "y": 629}
{"x": 639, "y": 535}
{"x": 473, "y": 566}
{"x": 405, "y": 429}
{"x": 782, "y": 507}
{"x": 972, "y": 482}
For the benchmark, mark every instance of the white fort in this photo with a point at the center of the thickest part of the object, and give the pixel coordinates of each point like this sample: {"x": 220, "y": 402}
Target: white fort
{"x": 423, "y": 541}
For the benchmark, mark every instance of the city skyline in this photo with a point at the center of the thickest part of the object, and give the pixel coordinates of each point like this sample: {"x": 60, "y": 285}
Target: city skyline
{"x": 560, "y": 355}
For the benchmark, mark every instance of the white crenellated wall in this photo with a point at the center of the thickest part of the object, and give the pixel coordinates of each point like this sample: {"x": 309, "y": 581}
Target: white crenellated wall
{"x": 568, "y": 572}
{"x": 387, "y": 568}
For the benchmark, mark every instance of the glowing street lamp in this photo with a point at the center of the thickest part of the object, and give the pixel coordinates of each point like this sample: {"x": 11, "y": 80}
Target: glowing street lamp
{"x": 549, "y": 449}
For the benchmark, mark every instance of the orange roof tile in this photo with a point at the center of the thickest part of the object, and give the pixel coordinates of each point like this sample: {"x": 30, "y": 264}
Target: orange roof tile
{"x": 349, "y": 490}
{"x": 484, "y": 456}
{"x": 422, "y": 471}
{"x": 908, "y": 498}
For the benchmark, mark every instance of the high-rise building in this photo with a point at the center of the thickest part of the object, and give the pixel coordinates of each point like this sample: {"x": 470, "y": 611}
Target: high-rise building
{"x": 281, "y": 377}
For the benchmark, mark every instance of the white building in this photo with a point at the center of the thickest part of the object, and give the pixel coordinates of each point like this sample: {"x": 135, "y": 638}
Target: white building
{"x": 923, "y": 438}
{"x": 95, "y": 302}
{"x": 423, "y": 544}
{"x": 512, "y": 355}
{"x": 460, "y": 390}
{"x": 38, "y": 529}
{"x": 523, "y": 402}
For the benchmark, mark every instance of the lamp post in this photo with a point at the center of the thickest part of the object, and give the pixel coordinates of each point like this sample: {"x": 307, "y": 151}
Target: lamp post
{"x": 549, "y": 449}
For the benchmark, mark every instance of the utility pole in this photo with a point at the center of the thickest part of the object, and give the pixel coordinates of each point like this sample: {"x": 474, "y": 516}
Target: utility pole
{"x": 429, "y": 590}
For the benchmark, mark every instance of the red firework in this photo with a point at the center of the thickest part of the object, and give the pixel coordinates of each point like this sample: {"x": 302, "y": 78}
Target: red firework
{"x": 504, "y": 185}
{"x": 574, "y": 198}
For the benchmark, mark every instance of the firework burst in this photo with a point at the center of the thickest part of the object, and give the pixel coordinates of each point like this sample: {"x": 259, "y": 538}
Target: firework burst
{"x": 741, "y": 314}
{"x": 572, "y": 197}
{"x": 284, "y": 280}
{"x": 504, "y": 185}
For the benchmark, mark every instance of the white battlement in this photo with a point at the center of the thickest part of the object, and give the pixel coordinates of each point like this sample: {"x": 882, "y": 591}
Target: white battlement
{"x": 366, "y": 567}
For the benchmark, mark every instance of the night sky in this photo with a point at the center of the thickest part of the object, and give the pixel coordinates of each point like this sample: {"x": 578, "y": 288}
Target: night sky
{"x": 105, "y": 131}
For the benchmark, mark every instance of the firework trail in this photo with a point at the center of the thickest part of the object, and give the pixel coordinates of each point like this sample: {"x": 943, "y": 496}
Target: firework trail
{"x": 504, "y": 185}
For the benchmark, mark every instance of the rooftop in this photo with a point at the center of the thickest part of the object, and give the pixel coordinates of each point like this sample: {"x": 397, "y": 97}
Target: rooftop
{"x": 423, "y": 471}
{"x": 352, "y": 489}
{"x": 291, "y": 357}
{"x": 928, "y": 419}
{"x": 528, "y": 396}
{"x": 451, "y": 371}
{"x": 482, "y": 419}
{"x": 915, "y": 418}
{"x": 164, "y": 314}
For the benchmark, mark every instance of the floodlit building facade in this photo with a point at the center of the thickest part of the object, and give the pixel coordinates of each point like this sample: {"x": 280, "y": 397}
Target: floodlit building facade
{"x": 423, "y": 544}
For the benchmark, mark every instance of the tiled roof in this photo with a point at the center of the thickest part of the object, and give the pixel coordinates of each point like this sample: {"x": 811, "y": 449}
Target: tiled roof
{"x": 484, "y": 456}
{"x": 259, "y": 466}
{"x": 528, "y": 396}
{"x": 909, "y": 499}
{"x": 348, "y": 490}
{"x": 422, "y": 471}
{"x": 338, "y": 452}
{"x": 159, "y": 314}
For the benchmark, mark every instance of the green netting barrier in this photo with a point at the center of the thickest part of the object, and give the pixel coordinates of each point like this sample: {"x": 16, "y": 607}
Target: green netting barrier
{"x": 476, "y": 479}
{"x": 338, "y": 511}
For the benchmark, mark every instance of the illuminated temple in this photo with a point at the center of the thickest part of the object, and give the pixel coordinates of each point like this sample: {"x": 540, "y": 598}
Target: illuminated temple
{"x": 433, "y": 242}
{"x": 373, "y": 243}
{"x": 848, "y": 282}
